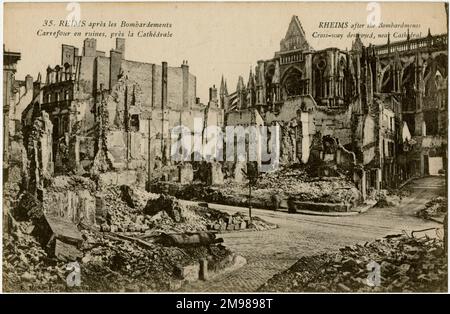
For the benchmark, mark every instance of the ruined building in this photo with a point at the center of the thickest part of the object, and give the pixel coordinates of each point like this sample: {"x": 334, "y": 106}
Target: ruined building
{"x": 378, "y": 112}
{"x": 111, "y": 117}
{"x": 10, "y": 60}
{"x": 362, "y": 108}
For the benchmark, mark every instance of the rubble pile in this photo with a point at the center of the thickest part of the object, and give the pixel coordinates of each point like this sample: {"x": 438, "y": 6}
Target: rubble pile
{"x": 436, "y": 209}
{"x": 64, "y": 183}
{"x": 385, "y": 198}
{"x": 109, "y": 263}
{"x": 166, "y": 213}
{"x": 406, "y": 265}
{"x": 26, "y": 266}
{"x": 118, "y": 252}
{"x": 118, "y": 247}
{"x": 113, "y": 263}
{"x": 271, "y": 189}
{"x": 296, "y": 183}
{"x": 119, "y": 216}
{"x": 159, "y": 213}
{"x": 220, "y": 221}
{"x": 28, "y": 207}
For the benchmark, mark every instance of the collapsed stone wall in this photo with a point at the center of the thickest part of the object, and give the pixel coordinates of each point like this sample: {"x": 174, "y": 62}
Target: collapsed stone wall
{"x": 39, "y": 146}
{"x": 18, "y": 175}
{"x": 76, "y": 206}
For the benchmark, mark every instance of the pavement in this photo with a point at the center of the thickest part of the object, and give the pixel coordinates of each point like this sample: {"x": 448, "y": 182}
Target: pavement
{"x": 270, "y": 252}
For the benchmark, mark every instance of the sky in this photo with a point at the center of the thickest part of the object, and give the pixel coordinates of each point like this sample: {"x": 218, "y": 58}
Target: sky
{"x": 216, "y": 38}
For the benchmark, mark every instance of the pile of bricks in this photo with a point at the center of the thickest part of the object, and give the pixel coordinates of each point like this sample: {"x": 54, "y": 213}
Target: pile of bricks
{"x": 231, "y": 223}
{"x": 225, "y": 222}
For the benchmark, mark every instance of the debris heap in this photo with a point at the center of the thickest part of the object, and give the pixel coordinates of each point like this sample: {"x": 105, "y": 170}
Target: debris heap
{"x": 115, "y": 234}
{"x": 435, "y": 209}
{"x": 220, "y": 221}
{"x": 406, "y": 265}
{"x": 271, "y": 189}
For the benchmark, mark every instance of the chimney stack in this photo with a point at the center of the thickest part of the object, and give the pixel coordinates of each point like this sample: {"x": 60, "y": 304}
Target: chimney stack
{"x": 120, "y": 46}
{"x": 29, "y": 82}
{"x": 213, "y": 93}
{"x": 185, "y": 70}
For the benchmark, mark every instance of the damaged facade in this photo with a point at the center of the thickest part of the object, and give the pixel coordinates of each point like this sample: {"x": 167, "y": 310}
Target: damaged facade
{"x": 112, "y": 117}
{"x": 379, "y": 111}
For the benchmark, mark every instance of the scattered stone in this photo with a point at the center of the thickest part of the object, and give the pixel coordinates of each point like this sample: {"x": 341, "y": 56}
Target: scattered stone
{"x": 120, "y": 256}
{"x": 406, "y": 264}
{"x": 66, "y": 252}
{"x": 167, "y": 203}
{"x": 28, "y": 277}
{"x": 435, "y": 209}
{"x": 189, "y": 273}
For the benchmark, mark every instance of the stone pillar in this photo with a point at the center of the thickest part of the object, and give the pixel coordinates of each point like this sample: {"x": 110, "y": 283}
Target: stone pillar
{"x": 215, "y": 174}
{"x": 422, "y": 165}
{"x": 204, "y": 269}
{"x": 186, "y": 173}
{"x": 363, "y": 185}
{"x": 378, "y": 179}
{"x": 114, "y": 67}
{"x": 238, "y": 167}
{"x": 304, "y": 117}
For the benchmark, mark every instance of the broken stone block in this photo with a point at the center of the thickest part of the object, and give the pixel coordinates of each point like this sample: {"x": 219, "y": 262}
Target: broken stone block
{"x": 100, "y": 206}
{"x": 215, "y": 174}
{"x": 105, "y": 228}
{"x": 66, "y": 252}
{"x": 204, "y": 269}
{"x": 64, "y": 230}
{"x": 75, "y": 205}
{"x": 175, "y": 284}
{"x": 186, "y": 173}
{"x": 239, "y": 166}
{"x": 62, "y": 238}
{"x": 167, "y": 203}
{"x": 28, "y": 277}
{"x": 243, "y": 225}
{"x": 189, "y": 273}
{"x": 127, "y": 195}
{"x": 185, "y": 239}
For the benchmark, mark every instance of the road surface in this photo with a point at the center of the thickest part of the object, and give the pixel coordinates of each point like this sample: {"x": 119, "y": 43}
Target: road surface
{"x": 270, "y": 252}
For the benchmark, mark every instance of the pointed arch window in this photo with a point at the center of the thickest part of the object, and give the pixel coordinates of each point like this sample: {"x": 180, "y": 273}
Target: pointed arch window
{"x": 293, "y": 83}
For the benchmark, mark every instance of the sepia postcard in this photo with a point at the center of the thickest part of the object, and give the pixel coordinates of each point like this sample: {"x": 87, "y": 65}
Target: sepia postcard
{"x": 225, "y": 147}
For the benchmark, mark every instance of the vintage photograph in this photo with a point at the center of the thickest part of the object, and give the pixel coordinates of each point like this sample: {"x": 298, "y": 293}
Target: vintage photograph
{"x": 225, "y": 147}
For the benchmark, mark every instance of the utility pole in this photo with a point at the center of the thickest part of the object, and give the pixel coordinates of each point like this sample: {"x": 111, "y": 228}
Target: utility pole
{"x": 252, "y": 176}
{"x": 250, "y": 199}
{"x": 163, "y": 107}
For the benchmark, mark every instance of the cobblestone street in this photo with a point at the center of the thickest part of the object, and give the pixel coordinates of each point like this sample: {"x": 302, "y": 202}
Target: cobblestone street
{"x": 269, "y": 252}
